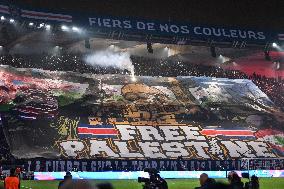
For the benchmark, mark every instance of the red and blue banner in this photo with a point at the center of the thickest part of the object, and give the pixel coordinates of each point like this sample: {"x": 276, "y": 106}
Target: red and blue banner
{"x": 97, "y": 131}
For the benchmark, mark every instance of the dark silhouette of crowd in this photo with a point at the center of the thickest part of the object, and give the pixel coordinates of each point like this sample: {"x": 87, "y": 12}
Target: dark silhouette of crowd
{"x": 234, "y": 182}
{"x": 4, "y": 148}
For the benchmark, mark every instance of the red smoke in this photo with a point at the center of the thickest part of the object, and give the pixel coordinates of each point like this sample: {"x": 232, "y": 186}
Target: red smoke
{"x": 256, "y": 63}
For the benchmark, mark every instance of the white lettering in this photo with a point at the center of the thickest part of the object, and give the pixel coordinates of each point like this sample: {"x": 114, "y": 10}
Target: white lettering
{"x": 206, "y": 31}
{"x": 242, "y": 34}
{"x": 101, "y": 148}
{"x": 184, "y": 29}
{"x": 127, "y": 24}
{"x": 174, "y": 28}
{"x": 237, "y": 149}
{"x": 251, "y": 34}
{"x": 116, "y": 23}
{"x": 164, "y": 27}
{"x": 233, "y": 33}
{"x": 172, "y": 133}
{"x": 174, "y": 149}
{"x": 149, "y": 133}
{"x": 261, "y": 35}
{"x": 71, "y": 148}
{"x": 84, "y": 166}
{"x": 196, "y": 30}
{"x": 127, "y": 132}
{"x": 93, "y": 21}
{"x": 141, "y": 26}
{"x": 124, "y": 152}
{"x": 192, "y": 133}
{"x": 199, "y": 148}
{"x": 151, "y": 26}
{"x": 216, "y": 32}
{"x": 106, "y": 22}
{"x": 47, "y": 165}
{"x": 260, "y": 149}
{"x": 151, "y": 149}
{"x": 225, "y": 34}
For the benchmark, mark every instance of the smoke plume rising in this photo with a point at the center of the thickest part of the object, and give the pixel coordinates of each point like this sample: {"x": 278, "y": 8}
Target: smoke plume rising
{"x": 111, "y": 58}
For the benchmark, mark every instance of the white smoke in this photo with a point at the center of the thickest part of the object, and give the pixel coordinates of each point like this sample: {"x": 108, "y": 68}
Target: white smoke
{"x": 111, "y": 58}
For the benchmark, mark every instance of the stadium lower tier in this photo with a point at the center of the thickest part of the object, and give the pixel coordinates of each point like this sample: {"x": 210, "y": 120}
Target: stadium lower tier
{"x": 83, "y": 116}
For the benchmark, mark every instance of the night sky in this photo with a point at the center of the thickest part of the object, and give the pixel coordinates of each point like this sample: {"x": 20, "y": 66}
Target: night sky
{"x": 262, "y": 14}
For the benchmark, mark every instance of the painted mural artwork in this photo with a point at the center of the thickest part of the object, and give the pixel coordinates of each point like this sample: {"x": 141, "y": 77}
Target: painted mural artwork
{"x": 66, "y": 114}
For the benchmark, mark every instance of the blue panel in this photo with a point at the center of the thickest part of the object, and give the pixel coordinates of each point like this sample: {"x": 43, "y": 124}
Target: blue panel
{"x": 137, "y": 26}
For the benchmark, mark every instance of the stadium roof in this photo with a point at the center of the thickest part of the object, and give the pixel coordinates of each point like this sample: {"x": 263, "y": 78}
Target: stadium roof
{"x": 19, "y": 40}
{"x": 246, "y": 13}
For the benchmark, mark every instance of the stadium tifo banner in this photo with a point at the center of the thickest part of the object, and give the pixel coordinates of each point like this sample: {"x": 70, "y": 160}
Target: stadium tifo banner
{"x": 75, "y": 116}
{"x": 124, "y": 165}
{"x": 183, "y": 33}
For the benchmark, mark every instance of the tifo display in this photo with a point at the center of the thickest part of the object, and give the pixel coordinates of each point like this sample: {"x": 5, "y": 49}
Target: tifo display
{"x": 51, "y": 114}
{"x": 119, "y": 95}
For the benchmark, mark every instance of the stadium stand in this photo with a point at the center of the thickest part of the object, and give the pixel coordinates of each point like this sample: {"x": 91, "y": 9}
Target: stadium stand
{"x": 144, "y": 67}
{"x": 273, "y": 87}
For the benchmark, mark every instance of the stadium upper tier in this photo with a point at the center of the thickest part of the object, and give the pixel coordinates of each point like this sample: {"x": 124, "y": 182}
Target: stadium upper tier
{"x": 56, "y": 113}
{"x": 198, "y": 11}
{"x": 138, "y": 24}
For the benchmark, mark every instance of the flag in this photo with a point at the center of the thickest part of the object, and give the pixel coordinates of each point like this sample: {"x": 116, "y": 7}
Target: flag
{"x": 97, "y": 131}
{"x": 273, "y": 137}
{"x": 239, "y": 133}
{"x": 46, "y": 16}
{"x": 281, "y": 36}
{"x": 35, "y": 103}
{"x": 4, "y": 9}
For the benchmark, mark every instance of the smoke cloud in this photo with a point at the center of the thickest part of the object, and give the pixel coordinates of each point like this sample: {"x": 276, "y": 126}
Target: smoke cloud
{"x": 111, "y": 58}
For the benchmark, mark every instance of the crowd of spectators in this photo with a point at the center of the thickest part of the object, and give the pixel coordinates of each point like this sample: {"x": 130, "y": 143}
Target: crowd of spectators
{"x": 273, "y": 87}
{"x": 66, "y": 62}
{"x": 4, "y": 148}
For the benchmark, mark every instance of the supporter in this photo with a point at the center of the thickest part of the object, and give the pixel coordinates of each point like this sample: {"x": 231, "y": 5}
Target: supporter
{"x": 219, "y": 185}
{"x": 253, "y": 183}
{"x": 235, "y": 181}
{"x": 104, "y": 186}
{"x": 77, "y": 184}
{"x": 12, "y": 182}
{"x": 205, "y": 181}
{"x": 18, "y": 171}
{"x": 67, "y": 178}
